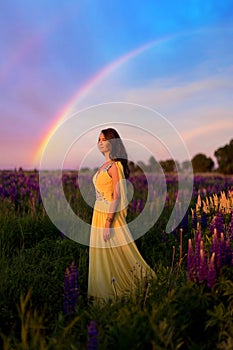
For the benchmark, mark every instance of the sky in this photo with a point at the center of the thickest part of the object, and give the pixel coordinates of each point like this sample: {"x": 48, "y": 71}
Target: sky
{"x": 160, "y": 72}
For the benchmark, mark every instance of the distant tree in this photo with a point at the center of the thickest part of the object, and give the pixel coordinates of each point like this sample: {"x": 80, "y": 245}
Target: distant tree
{"x": 132, "y": 167}
{"x": 85, "y": 170}
{"x": 153, "y": 165}
{"x": 168, "y": 165}
{"x": 224, "y": 157}
{"x": 141, "y": 166}
{"x": 201, "y": 163}
{"x": 186, "y": 165}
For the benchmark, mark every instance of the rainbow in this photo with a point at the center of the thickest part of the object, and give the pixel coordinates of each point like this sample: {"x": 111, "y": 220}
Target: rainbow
{"x": 83, "y": 91}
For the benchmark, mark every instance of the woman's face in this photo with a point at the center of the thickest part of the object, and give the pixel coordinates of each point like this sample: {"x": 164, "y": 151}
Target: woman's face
{"x": 103, "y": 144}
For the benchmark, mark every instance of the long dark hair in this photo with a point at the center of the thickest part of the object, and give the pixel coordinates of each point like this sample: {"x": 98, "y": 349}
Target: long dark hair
{"x": 118, "y": 152}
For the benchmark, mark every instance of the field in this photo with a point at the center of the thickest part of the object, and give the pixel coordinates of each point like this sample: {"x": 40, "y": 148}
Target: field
{"x": 43, "y": 289}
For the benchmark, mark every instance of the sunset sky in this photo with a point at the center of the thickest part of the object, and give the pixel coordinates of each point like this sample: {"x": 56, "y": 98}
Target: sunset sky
{"x": 62, "y": 57}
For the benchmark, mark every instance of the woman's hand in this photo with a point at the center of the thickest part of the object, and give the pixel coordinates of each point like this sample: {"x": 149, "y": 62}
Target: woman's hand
{"x": 106, "y": 233}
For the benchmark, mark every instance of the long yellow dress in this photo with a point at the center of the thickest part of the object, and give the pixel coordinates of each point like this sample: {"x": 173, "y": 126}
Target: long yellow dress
{"x": 116, "y": 267}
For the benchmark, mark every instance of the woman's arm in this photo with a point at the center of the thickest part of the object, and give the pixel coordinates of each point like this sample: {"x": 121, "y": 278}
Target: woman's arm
{"x": 113, "y": 172}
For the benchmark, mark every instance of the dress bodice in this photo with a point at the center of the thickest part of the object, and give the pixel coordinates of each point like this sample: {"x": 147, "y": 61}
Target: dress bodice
{"x": 103, "y": 184}
{"x": 104, "y": 188}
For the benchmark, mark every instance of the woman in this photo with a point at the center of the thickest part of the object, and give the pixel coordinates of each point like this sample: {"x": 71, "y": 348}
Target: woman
{"x": 116, "y": 267}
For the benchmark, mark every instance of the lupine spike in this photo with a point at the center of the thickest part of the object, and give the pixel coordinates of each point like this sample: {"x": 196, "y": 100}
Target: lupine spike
{"x": 194, "y": 218}
{"x": 92, "y": 341}
{"x": 203, "y": 266}
{"x": 211, "y": 274}
{"x": 198, "y": 239}
{"x": 230, "y": 228}
{"x": 70, "y": 288}
{"x": 203, "y": 220}
{"x": 66, "y": 291}
{"x": 191, "y": 267}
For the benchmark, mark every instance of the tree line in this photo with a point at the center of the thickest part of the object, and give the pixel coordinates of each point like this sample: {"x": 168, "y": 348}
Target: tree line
{"x": 200, "y": 163}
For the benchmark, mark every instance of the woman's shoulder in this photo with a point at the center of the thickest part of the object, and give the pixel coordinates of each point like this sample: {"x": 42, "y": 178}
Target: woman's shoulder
{"x": 117, "y": 167}
{"x": 110, "y": 165}
{"x": 116, "y": 164}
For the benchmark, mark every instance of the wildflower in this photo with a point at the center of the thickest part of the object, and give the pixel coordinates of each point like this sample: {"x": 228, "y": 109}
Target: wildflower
{"x": 203, "y": 266}
{"x": 198, "y": 204}
{"x": 194, "y": 218}
{"x": 191, "y": 267}
{"x": 230, "y": 227}
{"x": 223, "y": 249}
{"x": 218, "y": 223}
{"x": 62, "y": 235}
{"x": 92, "y": 342}
{"x": 215, "y": 248}
{"x": 66, "y": 291}
{"x": 133, "y": 205}
{"x": 139, "y": 205}
{"x": 211, "y": 274}
{"x": 70, "y": 288}
{"x": 203, "y": 220}
{"x": 198, "y": 239}
{"x": 229, "y": 252}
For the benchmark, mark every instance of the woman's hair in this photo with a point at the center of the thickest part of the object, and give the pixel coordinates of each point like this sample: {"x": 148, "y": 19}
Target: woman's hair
{"x": 118, "y": 151}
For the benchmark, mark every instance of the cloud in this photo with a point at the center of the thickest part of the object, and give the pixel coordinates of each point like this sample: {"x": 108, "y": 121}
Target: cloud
{"x": 200, "y": 109}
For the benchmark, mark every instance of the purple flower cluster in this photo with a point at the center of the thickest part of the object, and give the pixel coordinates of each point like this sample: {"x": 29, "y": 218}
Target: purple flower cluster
{"x": 199, "y": 267}
{"x": 222, "y": 248}
{"x": 211, "y": 273}
{"x": 218, "y": 223}
{"x": 92, "y": 332}
{"x": 207, "y": 185}
{"x": 70, "y": 288}
{"x": 230, "y": 228}
{"x": 19, "y": 186}
{"x": 194, "y": 219}
{"x": 137, "y": 205}
{"x": 202, "y": 269}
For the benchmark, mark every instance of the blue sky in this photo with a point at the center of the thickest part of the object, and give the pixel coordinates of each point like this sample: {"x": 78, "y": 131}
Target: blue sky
{"x": 51, "y": 50}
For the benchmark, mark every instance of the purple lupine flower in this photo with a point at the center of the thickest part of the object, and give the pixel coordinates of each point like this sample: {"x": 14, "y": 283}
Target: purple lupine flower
{"x": 223, "y": 250}
{"x": 194, "y": 219}
{"x": 133, "y": 205}
{"x": 70, "y": 288}
{"x": 66, "y": 292}
{"x": 218, "y": 223}
{"x": 230, "y": 228}
{"x": 92, "y": 332}
{"x": 215, "y": 248}
{"x": 139, "y": 205}
{"x": 202, "y": 273}
{"x": 198, "y": 239}
{"x": 73, "y": 285}
{"x": 62, "y": 235}
{"x": 191, "y": 265}
{"x": 229, "y": 252}
{"x": 211, "y": 273}
{"x": 203, "y": 220}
